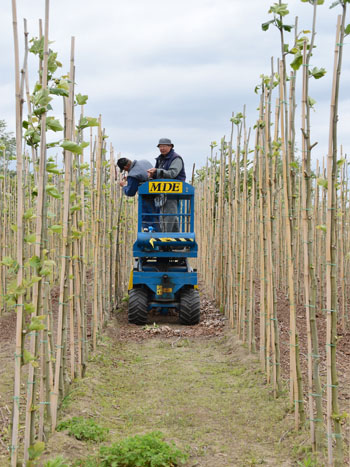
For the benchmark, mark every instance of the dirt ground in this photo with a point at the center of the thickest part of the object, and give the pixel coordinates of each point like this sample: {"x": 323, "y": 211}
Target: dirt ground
{"x": 197, "y": 385}
{"x": 218, "y": 405}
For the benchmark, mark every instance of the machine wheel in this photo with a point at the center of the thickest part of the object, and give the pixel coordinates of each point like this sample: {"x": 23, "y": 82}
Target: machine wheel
{"x": 138, "y": 304}
{"x": 189, "y": 307}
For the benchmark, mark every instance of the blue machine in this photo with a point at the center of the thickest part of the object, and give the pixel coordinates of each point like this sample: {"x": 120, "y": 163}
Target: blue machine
{"x": 162, "y": 277}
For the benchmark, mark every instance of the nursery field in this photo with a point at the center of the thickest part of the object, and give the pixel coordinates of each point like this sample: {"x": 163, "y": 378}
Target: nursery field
{"x": 198, "y": 386}
{"x": 264, "y": 377}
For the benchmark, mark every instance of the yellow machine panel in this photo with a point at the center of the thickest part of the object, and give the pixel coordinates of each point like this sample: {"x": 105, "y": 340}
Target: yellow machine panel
{"x": 165, "y": 187}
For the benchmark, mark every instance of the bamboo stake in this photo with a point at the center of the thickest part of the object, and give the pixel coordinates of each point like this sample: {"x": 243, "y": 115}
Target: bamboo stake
{"x": 262, "y": 273}
{"x": 96, "y": 303}
{"x": 295, "y": 385}
{"x": 60, "y": 354}
{"x": 29, "y": 436}
{"x": 331, "y": 307}
{"x": 19, "y": 246}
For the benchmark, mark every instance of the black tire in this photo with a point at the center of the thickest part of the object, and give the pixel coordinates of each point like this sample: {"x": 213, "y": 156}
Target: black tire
{"x": 189, "y": 312}
{"x": 138, "y": 304}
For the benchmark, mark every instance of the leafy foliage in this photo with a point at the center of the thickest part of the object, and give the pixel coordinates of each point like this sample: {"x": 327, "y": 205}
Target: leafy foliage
{"x": 35, "y": 451}
{"x": 81, "y": 99}
{"x": 73, "y": 147}
{"x": 279, "y": 10}
{"x": 59, "y": 461}
{"x": 84, "y": 429}
{"x": 319, "y": 2}
{"x": 148, "y": 450}
{"x": 317, "y": 73}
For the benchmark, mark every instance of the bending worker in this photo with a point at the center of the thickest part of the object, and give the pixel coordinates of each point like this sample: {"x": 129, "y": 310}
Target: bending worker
{"x": 169, "y": 164}
{"x": 137, "y": 174}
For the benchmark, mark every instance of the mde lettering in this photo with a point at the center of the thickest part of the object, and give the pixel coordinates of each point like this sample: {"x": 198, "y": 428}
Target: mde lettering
{"x": 165, "y": 187}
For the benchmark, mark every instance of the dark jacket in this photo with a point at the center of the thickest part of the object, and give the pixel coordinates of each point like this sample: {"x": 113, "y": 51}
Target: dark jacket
{"x": 164, "y": 162}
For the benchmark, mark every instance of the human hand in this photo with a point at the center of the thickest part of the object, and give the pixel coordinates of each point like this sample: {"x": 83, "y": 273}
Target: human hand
{"x": 123, "y": 182}
{"x": 151, "y": 172}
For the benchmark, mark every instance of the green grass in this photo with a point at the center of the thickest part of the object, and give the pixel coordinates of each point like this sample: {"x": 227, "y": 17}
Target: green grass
{"x": 207, "y": 395}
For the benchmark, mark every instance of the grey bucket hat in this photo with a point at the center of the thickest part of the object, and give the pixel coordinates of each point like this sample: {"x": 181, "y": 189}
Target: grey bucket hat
{"x": 165, "y": 141}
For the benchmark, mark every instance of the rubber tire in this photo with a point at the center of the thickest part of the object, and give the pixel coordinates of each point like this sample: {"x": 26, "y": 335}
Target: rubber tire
{"x": 190, "y": 307}
{"x": 138, "y": 305}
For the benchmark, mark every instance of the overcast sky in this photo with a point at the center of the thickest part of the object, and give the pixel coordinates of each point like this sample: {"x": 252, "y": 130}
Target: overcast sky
{"x": 176, "y": 69}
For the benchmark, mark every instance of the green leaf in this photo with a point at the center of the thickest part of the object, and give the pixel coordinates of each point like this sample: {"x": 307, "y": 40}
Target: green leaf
{"x": 34, "y": 280}
{"x": 59, "y": 92}
{"x": 35, "y": 450}
{"x": 72, "y": 147}
{"x": 29, "y": 308}
{"x": 36, "y": 324}
{"x": 7, "y": 261}
{"x": 57, "y": 228}
{"x": 42, "y": 98}
{"x": 87, "y": 122}
{"x": 53, "y": 124}
{"x": 321, "y": 227}
{"x": 52, "y": 168}
{"x": 76, "y": 233}
{"x": 29, "y": 214}
{"x": 30, "y": 238}
{"x": 76, "y": 207}
{"x": 347, "y": 30}
{"x": 81, "y": 99}
{"x": 311, "y": 102}
{"x": 34, "y": 261}
{"x": 297, "y": 62}
{"x": 63, "y": 84}
{"x": 334, "y": 4}
{"x": 49, "y": 263}
{"x": 322, "y": 182}
{"x": 265, "y": 26}
{"x": 340, "y": 162}
{"x": 32, "y": 137}
{"x": 53, "y": 191}
{"x": 317, "y": 73}
{"x": 38, "y": 46}
{"x": 52, "y": 63}
{"x": 279, "y": 9}
{"x": 53, "y": 145}
{"x": 27, "y": 356}
{"x": 59, "y": 461}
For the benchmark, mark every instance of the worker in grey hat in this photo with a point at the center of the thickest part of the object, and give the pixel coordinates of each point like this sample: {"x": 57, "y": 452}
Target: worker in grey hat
{"x": 169, "y": 164}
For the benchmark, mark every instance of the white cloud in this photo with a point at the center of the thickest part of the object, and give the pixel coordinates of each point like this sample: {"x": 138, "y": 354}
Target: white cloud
{"x": 163, "y": 68}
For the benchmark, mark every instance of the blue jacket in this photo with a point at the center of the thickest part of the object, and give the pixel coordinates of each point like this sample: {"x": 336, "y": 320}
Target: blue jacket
{"x": 136, "y": 175}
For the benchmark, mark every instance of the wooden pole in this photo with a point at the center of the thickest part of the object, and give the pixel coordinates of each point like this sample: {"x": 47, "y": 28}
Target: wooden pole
{"x": 19, "y": 320}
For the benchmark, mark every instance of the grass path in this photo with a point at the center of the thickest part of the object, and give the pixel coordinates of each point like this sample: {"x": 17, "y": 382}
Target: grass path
{"x": 207, "y": 395}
